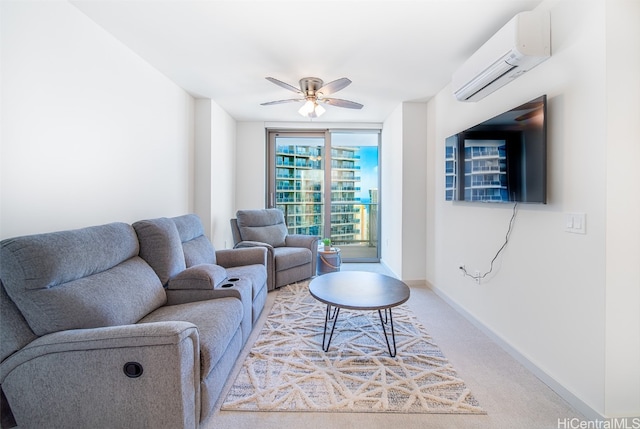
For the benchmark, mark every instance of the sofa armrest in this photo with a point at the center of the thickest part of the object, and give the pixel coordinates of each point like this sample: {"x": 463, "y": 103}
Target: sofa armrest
{"x": 300, "y": 240}
{"x": 242, "y": 256}
{"x": 239, "y": 289}
{"x": 78, "y": 378}
{"x": 202, "y": 276}
{"x": 146, "y": 334}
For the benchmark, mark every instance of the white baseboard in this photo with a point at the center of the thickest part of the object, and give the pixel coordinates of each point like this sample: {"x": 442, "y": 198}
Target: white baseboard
{"x": 588, "y": 412}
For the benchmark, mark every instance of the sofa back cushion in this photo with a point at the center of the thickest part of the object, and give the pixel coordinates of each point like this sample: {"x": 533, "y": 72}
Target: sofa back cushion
{"x": 77, "y": 279}
{"x": 264, "y": 225}
{"x": 161, "y": 247}
{"x": 15, "y": 332}
{"x": 196, "y": 246}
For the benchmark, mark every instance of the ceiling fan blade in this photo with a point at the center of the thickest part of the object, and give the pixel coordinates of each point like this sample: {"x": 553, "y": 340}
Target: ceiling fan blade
{"x": 334, "y": 86}
{"x": 284, "y": 85}
{"x": 342, "y": 103}
{"x": 289, "y": 100}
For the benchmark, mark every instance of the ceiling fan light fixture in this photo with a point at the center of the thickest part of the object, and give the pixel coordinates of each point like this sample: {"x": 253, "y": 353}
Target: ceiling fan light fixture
{"x": 311, "y": 109}
{"x": 306, "y": 108}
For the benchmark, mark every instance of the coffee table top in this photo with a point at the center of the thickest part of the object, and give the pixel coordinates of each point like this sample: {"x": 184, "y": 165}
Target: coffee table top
{"x": 359, "y": 290}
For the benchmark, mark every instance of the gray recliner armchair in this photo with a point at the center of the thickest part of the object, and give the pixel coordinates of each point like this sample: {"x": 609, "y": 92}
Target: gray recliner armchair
{"x": 290, "y": 257}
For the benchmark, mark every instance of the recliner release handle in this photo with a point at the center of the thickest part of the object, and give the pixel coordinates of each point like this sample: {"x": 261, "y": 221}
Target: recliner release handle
{"x": 133, "y": 369}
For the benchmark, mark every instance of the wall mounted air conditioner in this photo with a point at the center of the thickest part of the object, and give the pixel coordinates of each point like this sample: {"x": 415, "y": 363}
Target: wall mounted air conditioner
{"x": 523, "y": 43}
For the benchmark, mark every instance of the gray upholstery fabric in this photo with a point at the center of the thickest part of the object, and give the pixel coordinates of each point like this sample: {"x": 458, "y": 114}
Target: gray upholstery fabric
{"x": 15, "y": 332}
{"x": 203, "y": 276}
{"x": 246, "y": 244}
{"x": 289, "y": 257}
{"x": 46, "y": 260}
{"x": 189, "y": 226}
{"x": 285, "y": 263}
{"x": 240, "y": 289}
{"x": 86, "y": 289}
{"x": 161, "y": 247}
{"x": 74, "y": 379}
{"x": 294, "y": 274}
{"x": 118, "y": 296}
{"x": 59, "y": 280}
{"x": 300, "y": 240}
{"x": 196, "y": 246}
{"x": 258, "y": 304}
{"x": 244, "y": 264}
{"x": 217, "y": 321}
{"x": 199, "y": 251}
{"x": 237, "y": 257}
{"x": 211, "y": 386}
{"x": 258, "y": 277}
{"x": 264, "y": 225}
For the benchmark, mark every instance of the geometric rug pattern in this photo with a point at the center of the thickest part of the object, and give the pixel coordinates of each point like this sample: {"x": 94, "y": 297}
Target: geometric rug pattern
{"x": 287, "y": 370}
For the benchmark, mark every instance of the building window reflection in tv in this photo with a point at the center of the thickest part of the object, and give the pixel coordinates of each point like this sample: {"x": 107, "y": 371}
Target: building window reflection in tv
{"x": 502, "y": 159}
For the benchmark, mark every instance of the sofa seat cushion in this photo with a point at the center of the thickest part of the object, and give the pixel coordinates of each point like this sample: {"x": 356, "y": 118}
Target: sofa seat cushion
{"x": 290, "y": 257}
{"x": 256, "y": 274}
{"x": 217, "y": 321}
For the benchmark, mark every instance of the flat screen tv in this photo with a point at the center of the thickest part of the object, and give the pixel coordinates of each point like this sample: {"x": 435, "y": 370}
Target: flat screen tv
{"x": 503, "y": 159}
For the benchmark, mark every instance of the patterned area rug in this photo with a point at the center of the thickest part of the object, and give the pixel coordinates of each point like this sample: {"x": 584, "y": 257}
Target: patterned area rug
{"x": 286, "y": 369}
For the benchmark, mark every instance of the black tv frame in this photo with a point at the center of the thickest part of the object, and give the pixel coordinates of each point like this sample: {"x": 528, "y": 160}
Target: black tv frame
{"x": 515, "y": 171}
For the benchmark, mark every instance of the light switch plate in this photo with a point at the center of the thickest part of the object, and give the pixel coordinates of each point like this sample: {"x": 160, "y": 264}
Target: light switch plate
{"x": 575, "y": 223}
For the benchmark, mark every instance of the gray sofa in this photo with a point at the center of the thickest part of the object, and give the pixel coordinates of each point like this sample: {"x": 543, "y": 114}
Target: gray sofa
{"x": 123, "y": 326}
{"x": 290, "y": 257}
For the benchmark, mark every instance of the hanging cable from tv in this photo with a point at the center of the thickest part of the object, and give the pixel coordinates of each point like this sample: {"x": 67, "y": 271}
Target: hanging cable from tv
{"x": 478, "y": 277}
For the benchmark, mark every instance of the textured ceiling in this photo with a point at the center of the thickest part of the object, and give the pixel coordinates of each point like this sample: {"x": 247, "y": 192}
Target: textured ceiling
{"x": 393, "y": 51}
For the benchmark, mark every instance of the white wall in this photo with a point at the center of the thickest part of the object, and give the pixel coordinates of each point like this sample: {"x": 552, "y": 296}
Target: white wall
{"x": 215, "y": 171}
{"x": 90, "y": 132}
{"x": 547, "y": 298}
{"x": 622, "y": 373}
{"x": 203, "y": 128}
{"x": 414, "y": 182}
{"x": 391, "y": 195}
{"x": 404, "y": 172}
{"x": 251, "y": 165}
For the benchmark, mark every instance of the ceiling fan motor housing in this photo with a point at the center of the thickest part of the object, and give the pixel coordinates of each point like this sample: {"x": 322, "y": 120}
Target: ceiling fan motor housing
{"x": 309, "y": 85}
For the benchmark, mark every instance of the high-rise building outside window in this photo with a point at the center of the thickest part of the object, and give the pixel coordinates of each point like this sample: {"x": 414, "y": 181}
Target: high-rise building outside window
{"x": 319, "y": 176}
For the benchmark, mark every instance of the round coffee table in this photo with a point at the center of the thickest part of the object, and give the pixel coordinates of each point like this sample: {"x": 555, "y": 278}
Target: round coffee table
{"x": 359, "y": 290}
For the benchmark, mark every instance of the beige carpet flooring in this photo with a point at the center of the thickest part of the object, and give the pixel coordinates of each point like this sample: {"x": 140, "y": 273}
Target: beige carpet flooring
{"x": 511, "y": 395}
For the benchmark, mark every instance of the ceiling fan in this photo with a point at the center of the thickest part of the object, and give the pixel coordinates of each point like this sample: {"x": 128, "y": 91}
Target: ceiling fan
{"x": 313, "y": 91}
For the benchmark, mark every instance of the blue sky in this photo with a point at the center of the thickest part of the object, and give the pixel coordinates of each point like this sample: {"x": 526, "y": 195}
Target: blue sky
{"x": 369, "y": 170}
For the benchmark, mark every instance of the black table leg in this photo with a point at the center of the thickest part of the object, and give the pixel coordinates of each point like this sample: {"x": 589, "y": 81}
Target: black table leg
{"x": 393, "y": 334}
{"x": 388, "y": 318}
{"x": 327, "y": 317}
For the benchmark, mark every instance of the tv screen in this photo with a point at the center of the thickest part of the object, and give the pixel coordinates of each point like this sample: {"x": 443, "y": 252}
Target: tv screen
{"x": 502, "y": 159}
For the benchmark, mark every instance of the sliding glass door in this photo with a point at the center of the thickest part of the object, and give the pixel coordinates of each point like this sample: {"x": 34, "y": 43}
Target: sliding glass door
{"x": 326, "y": 183}
{"x": 296, "y": 182}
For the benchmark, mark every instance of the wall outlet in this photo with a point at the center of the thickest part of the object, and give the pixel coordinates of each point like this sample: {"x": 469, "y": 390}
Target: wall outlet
{"x": 476, "y": 276}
